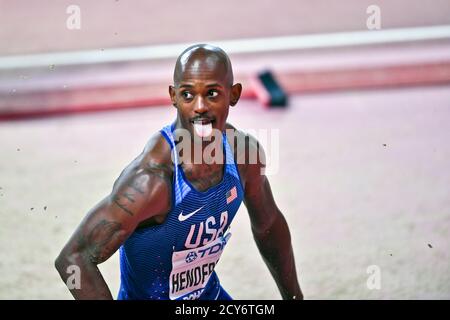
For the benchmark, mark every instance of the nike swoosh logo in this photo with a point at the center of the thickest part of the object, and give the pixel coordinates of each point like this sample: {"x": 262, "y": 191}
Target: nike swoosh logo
{"x": 182, "y": 217}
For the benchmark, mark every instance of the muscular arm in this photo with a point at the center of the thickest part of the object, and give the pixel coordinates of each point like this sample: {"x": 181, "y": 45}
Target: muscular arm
{"x": 140, "y": 193}
{"x": 270, "y": 230}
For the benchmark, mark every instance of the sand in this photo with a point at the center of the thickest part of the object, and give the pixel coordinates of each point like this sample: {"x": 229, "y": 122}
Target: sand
{"x": 364, "y": 180}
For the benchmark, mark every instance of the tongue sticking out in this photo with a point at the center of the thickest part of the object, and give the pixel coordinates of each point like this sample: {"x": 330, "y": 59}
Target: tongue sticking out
{"x": 203, "y": 130}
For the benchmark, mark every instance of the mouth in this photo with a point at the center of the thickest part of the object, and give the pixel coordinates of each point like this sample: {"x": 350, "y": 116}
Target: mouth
{"x": 202, "y": 120}
{"x": 203, "y": 126}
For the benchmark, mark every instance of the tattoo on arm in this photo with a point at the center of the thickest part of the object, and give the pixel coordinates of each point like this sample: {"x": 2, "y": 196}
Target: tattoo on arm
{"x": 128, "y": 197}
{"x": 99, "y": 242}
{"x": 159, "y": 170}
{"x": 137, "y": 186}
{"x": 123, "y": 205}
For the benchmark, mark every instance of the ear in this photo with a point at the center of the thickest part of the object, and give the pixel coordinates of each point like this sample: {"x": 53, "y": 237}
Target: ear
{"x": 173, "y": 95}
{"x": 235, "y": 94}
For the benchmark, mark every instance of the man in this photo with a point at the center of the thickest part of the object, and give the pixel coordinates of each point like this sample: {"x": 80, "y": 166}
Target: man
{"x": 169, "y": 214}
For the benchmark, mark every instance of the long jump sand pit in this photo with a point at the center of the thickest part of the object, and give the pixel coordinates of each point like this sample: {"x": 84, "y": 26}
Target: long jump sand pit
{"x": 364, "y": 180}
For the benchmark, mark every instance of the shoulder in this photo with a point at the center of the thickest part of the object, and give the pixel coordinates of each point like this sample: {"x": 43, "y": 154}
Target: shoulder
{"x": 154, "y": 160}
{"x": 157, "y": 155}
{"x": 143, "y": 189}
{"x": 248, "y": 152}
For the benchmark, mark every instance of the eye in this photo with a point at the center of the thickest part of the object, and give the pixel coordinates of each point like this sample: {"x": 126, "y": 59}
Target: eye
{"x": 187, "y": 95}
{"x": 213, "y": 93}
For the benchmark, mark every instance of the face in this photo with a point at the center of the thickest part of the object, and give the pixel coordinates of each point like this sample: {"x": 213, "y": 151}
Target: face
{"x": 202, "y": 94}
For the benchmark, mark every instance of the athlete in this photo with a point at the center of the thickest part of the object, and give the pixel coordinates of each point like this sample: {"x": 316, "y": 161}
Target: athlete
{"x": 169, "y": 212}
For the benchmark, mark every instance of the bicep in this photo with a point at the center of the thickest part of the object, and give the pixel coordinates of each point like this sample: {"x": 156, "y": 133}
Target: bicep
{"x": 260, "y": 204}
{"x": 136, "y": 196}
{"x": 101, "y": 233}
{"x": 259, "y": 200}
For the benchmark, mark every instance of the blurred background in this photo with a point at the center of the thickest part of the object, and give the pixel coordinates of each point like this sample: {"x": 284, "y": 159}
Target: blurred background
{"x": 364, "y": 151}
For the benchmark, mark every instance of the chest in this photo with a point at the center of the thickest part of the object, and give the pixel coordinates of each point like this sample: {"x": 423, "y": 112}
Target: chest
{"x": 202, "y": 176}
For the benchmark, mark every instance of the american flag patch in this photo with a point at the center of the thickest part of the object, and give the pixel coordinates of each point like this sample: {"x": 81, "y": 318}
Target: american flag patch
{"x": 232, "y": 194}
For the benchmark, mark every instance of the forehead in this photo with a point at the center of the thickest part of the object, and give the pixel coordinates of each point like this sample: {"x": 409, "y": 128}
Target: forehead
{"x": 203, "y": 68}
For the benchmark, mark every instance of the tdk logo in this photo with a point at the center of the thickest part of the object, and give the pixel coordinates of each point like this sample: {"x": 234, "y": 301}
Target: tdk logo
{"x": 191, "y": 257}
{"x": 212, "y": 250}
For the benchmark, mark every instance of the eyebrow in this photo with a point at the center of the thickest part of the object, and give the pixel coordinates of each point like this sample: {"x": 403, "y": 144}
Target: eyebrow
{"x": 186, "y": 86}
{"x": 213, "y": 85}
{"x": 189, "y": 86}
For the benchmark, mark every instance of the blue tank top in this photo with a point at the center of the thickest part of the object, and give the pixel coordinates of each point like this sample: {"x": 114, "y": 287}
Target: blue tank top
{"x": 176, "y": 259}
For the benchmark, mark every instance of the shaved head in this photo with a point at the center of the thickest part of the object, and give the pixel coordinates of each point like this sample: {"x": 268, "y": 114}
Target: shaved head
{"x": 201, "y": 58}
{"x": 203, "y": 88}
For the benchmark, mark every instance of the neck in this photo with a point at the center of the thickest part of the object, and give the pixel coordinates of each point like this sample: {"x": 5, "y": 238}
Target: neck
{"x": 198, "y": 150}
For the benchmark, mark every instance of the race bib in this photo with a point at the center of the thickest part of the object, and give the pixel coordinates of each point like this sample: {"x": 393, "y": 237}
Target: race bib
{"x": 192, "y": 268}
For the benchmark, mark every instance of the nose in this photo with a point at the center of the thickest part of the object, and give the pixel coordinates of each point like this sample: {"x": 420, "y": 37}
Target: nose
{"x": 200, "y": 106}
